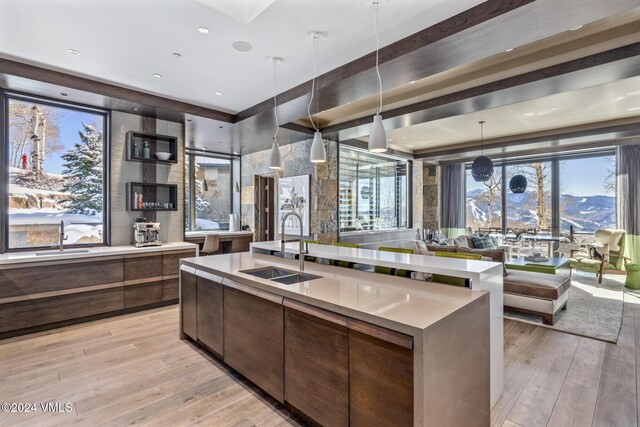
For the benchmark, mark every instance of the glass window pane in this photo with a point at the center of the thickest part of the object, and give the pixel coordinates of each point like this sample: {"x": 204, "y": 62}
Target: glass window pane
{"x": 56, "y": 174}
{"x": 373, "y": 191}
{"x": 210, "y": 180}
{"x": 531, "y": 209}
{"x": 484, "y": 201}
{"x": 587, "y": 194}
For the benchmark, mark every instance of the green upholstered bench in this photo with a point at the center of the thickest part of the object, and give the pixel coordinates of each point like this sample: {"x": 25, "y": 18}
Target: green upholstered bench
{"x": 345, "y": 264}
{"x": 393, "y": 271}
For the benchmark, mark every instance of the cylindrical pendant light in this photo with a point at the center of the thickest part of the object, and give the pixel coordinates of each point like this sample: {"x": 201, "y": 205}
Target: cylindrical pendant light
{"x": 275, "y": 159}
{"x": 482, "y": 167}
{"x": 317, "y": 154}
{"x": 377, "y": 136}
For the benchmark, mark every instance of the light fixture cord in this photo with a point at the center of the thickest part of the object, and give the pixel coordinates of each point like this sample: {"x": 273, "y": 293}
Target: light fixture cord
{"x": 313, "y": 81}
{"x": 275, "y": 103}
{"x": 482, "y": 138}
{"x": 377, "y": 63}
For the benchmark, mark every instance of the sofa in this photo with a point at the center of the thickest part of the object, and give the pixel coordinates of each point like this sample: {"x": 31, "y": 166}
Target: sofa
{"x": 536, "y": 293}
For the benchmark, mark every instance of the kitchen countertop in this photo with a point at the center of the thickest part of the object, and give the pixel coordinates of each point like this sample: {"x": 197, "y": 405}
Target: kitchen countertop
{"x": 397, "y": 303}
{"x": 11, "y": 259}
{"x": 225, "y": 233}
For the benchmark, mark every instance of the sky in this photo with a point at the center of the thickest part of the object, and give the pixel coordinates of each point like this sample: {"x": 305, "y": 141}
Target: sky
{"x": 580, "y": 177}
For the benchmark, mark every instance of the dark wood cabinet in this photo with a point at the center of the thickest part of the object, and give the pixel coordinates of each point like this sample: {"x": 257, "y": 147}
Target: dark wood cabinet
{"x": 171, "y": 261}
{"x": 381, "y": 376}
{"x": 209, "y": 313}
{"x": 316, "y": 370}
{"x": 188, "y": 300}
{"x": 143, "y": 266}
{"x": 254, "y": 338}
{"x": 170, "y": 289}
{"x": 142, "y": 294}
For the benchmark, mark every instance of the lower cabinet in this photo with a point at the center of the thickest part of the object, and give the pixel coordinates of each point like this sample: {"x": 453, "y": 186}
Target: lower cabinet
{"x": 316, "y": 369}
{"x": 380, "y": 376}
{"x": 209, "y": 313}
{"x": 254, "y": 338}
{"x": 170, "y": 289}
{"x": 142, "y": 294}
{"x": 188, "y": 302}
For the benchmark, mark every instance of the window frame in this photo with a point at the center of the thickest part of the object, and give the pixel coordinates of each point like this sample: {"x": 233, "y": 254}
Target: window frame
{"x": 189, "y": 205}
{"x": 555, "y": 182}
{"x": 8, "y": 95}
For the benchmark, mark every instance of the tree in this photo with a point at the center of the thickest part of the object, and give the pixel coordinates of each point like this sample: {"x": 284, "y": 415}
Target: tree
{"x": 540, "y": 175}
{"x": 83, "y": 173}
{"x": 494, "y": 188}
{"x": 20, "y": 121}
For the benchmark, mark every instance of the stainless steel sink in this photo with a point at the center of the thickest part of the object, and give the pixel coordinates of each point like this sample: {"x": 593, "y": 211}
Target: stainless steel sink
{"x": 268, "y": 272}
{"x": 280, "y": 275}
{"x": 63, "y": 252}
{"x": 295, "y": 278}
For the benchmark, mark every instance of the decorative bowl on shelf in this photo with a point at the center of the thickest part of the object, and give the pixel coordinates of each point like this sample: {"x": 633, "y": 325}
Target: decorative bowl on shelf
{"x": 163, "y": 155}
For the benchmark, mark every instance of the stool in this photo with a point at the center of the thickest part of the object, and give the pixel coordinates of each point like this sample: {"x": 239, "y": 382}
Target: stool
{"x": 633, "y": 276}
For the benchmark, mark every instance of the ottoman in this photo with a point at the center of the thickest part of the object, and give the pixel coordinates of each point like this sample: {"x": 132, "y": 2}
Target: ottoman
{"x": 633, "y": 276}
{"x": 539, "y": 294}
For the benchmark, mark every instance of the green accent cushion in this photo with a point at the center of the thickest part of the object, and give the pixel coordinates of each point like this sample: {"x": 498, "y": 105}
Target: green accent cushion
{"x": 536, "y": 268}
{"x": 451, "y": 280}
{"x": 389, "y": 270}
{"x": 484, "y": 242}
{"x": 345, "y": 264}
{"x": 590, "y": 265}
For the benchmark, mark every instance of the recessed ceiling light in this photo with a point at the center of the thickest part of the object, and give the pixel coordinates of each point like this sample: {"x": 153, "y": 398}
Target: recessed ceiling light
{"x": 390, "y": 139}
{"x": 404, "y": 137}
{"x": 241, "y": 46}
{"x": 64, "y": 94}
{"x": 410, "y": 146}
{"x": 218, "y": 93}
{"x": 203, "y": 30}
{"x": 157, "y": 76}
{"x": 219, "y": 142}
{"x": 509, "y": 50}
{"x": 412, "y": 82}
{"x": 73, "y": 52}
{"x": 220, "y": 127}
{"x": 634, "y": 109}
{"x": 176, "y": 55}
{"x": 577, "y": 27}
{"x": 554, "y": 108}
{"x": 529, "y": 114}
{"x": 135, "y": 108}
{"x": 634, "y": 93}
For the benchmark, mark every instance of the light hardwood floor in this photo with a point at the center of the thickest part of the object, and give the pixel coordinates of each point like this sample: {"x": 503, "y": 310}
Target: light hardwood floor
{"x": 134, "y": 370}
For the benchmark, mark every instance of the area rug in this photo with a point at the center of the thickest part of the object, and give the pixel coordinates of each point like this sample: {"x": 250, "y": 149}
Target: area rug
{"x": 593, "y": 310}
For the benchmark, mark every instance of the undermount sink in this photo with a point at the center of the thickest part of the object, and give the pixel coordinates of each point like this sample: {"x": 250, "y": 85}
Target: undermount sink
{"x": 63, "y": 252}
{"x": 280, "y": 275}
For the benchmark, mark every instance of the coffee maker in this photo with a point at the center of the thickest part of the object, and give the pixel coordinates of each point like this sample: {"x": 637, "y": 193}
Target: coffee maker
{"x": 145, "y": 233}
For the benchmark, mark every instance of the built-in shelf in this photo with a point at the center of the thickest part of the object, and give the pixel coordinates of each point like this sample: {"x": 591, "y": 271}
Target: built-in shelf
{"x": 155, "y": 197}
{"x": 157, "y": 143}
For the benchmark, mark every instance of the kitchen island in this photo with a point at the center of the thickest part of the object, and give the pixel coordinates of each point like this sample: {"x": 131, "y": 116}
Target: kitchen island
{"x": 343, "y": 347}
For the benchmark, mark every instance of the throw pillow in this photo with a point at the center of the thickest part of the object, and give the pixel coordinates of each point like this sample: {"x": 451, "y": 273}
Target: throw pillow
{"x": 461, "y": 241}
{"x": 484, "y": 242}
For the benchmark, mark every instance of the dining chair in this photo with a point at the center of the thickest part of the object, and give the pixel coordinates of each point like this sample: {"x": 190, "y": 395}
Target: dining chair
{"x": 211, "y": 244}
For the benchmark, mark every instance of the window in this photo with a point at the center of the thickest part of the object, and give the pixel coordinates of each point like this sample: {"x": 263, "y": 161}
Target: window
{"x": 56, "y": 173}
{"x": 208, "y": 195}
{"x": 584, "y": 196}
{"x": 373, "y": 191}
{"x": 484, "y": 201}
{"x": 531, "y": 209}
{"x": 587, "y": 194}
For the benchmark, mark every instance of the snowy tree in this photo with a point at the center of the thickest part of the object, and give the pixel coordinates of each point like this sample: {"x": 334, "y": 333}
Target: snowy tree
{"x": 83, "y": 172}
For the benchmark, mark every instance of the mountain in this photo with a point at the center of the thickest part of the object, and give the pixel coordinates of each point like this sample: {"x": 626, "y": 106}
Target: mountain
{"x": 585, "y": 213}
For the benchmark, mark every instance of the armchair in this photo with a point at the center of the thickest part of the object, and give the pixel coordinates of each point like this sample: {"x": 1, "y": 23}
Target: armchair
{"x": 610, "y": 245}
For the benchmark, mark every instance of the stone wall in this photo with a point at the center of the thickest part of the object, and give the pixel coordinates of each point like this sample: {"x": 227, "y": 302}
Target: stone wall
{"x": 323, "y": 222}
{"x": 426, "y": 196}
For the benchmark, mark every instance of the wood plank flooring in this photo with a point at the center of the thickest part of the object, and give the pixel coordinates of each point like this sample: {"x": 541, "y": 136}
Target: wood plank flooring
{"x": 134, "y": 370}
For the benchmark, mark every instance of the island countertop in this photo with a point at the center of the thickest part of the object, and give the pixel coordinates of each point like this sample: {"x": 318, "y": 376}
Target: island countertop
{"x": 397, "y": 303}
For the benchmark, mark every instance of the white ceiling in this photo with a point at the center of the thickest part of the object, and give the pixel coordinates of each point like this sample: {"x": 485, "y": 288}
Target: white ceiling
{"x": 126, "y": 41}
{"x": 601, "y": 103}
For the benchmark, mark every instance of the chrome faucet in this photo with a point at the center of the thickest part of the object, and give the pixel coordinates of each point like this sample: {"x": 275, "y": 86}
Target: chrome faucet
{"x": 301, "y": 252}
{"x": 61, "y": 236}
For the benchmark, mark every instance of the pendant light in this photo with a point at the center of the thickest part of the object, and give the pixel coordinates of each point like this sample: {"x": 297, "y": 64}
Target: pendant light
{"x": 318, "y": 154}
{"x": 518, "y": 183}
{"x": 482, "y": 168}
{"x": 275, "y": 159}
{"x": 236, "y": 187}
{"x": 205, "y": 187}
{"x": 378, "y": 136}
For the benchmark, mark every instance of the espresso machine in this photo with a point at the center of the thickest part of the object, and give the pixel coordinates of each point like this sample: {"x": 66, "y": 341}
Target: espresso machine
{"x": 145, "y": 233}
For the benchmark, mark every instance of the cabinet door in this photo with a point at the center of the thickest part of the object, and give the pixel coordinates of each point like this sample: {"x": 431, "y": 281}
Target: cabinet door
{"x": 209, "y": 312}
{"x": 188, "y": 303}
{"x": 254, "y": 338}
{"x": 316, "y": 346}
{"x": 381, "y": 376}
